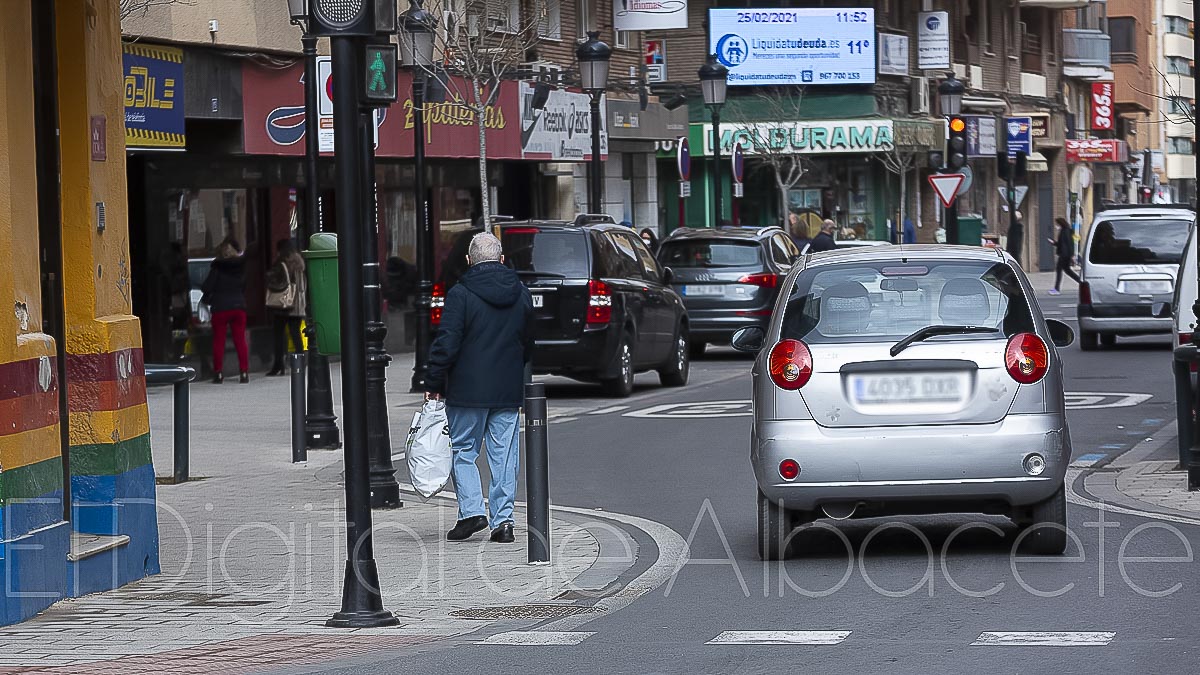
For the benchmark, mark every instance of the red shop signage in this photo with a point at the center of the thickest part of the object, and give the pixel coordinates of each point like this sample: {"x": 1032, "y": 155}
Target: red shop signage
{"x": 274, "y": 124}
{"x": 1102, "y": 106}
{"x": 1100, "y": 150}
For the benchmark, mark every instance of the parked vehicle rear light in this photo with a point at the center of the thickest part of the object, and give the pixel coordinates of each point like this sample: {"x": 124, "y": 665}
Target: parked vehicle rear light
{"x": 763, "y": 280}
{"x": 1186, "y": 339}
{"x": 520, "y": 230}
{"x": 790, "y": 364}
{"x": 789, "y": 469}
{"x": 1026, "y": 358}
{"x": 1085, "y": 293}
{"x": 599, "y": 303}
{"x": 437, "y": 303}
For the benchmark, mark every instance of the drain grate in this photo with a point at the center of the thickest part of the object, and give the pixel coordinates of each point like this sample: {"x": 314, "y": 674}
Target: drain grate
{"x": 521, "y": 612}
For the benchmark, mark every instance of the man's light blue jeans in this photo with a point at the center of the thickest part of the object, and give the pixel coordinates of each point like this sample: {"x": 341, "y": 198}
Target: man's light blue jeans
{"x": 495, "y": 429}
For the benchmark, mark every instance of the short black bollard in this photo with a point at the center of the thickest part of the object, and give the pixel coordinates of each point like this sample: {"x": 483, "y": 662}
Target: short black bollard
{"x": 296, "y": 363}
{"x": 537, "y": 475}
{"x": 179, "y": 376}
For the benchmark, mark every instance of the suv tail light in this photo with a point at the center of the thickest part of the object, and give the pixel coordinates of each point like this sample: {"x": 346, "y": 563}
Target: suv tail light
{"x": 437, "y": 302}
{"x": 763, "y": 280}
{"x": 1026, "y": 358}
{"x": 790, "y": 364}
{"x": 1085, "y": 293}
{"x": 599, "y": 303}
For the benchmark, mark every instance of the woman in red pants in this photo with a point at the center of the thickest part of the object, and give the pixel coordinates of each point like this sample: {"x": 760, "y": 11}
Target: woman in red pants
{"x": 225, "y": 294}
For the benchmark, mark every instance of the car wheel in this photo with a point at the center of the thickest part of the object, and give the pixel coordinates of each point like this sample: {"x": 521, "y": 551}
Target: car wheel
{"x": 621, "y": 386}
{"x": 1088, "y": 341}
{"x": 773, "y": 529}
{"x": 675, "y": 373}
{"x": 696, "y": 349}
{"x": 1050, "y": 520}
{"x": 1108, "y": 340}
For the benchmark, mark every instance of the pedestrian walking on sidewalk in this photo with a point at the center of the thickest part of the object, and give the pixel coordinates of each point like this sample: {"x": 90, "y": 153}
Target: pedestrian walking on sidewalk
{"x": 477, "y": 363}
{"x": 225, "y": 293}
{"x": 1064, "y": 250}
{"x": 286, "y": 288}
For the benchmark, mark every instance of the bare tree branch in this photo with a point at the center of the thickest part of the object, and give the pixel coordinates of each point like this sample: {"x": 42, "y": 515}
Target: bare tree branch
{"x": 768, "y": 145}
{"x": 141, "y": 7}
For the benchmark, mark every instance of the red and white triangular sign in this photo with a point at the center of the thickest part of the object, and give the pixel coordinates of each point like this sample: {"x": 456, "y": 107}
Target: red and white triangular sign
{"x": 946, "y": 186}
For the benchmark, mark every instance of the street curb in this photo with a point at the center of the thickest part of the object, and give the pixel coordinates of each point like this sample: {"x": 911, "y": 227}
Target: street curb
{"x": 1100, "y": 480}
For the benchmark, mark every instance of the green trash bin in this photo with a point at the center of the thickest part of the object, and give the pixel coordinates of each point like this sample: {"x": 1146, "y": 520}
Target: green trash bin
{"x": 970, "y": 230}
{"x": 322, "y": 265}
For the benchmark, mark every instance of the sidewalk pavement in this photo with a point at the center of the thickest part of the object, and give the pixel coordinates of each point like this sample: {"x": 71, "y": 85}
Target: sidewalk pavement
{"x": 253, "y": 553}
{"x": 1147, "y": 478}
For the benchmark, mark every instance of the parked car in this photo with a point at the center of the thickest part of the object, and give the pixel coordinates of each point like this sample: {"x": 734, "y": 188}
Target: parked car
{"x": 1130, "y": 263}
{"x": 728, "y": 277}
{"x": 604, "y": 309}
{"x": 909, "y": 381}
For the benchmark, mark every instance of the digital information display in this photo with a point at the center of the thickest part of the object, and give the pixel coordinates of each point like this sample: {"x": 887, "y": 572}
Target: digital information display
{"x": 794, "y": 46}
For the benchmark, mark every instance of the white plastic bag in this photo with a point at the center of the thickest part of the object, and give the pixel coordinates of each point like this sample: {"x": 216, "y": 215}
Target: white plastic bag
{"x": 428, "y": 449}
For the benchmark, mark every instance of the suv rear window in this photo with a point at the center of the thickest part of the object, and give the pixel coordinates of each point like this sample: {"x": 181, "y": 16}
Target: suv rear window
{"x": 888, "y": 300}
{"x": 710, "y": 253}
{"x": 1139, "y": 242}
{"x": 556, "y": 253}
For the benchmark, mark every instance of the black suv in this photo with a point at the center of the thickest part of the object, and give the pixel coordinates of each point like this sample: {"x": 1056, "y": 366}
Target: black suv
{"x": 603, "y": 306}
{"x": 728, "y": 277}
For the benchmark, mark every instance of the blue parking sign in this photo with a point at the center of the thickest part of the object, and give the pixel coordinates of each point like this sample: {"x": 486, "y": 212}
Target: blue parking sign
{"x": 1019, "y": 131}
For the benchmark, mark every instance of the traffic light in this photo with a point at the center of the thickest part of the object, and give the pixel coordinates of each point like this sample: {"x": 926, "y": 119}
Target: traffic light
{"x": 937, "y": 159}
{"x": 956, "y": 146}
{"x": 349, "y": 18}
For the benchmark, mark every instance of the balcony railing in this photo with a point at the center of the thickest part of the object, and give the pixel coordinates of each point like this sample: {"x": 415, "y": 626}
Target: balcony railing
{"x": 1086, "y": 47}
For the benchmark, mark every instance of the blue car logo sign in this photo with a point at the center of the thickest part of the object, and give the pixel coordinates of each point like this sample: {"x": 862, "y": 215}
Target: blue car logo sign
{"x": 732, "y": 50}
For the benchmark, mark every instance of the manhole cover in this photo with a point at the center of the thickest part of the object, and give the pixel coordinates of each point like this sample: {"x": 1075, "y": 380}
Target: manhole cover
{"x": 521, "y": 612}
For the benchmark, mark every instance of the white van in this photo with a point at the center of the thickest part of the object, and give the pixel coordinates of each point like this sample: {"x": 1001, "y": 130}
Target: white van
{"x": 1185, "y": 295}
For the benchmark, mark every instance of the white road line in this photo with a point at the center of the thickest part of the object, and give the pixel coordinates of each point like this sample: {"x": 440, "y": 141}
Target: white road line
{"x": 1043, "y": 639}
{"x": 538, "y": 638}
{"x": 610, "y": 409}
{"x": 780, "y": 637}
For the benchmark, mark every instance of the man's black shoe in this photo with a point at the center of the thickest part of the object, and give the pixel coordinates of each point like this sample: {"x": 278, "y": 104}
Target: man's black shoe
{"x": 467, "y": 527}
{"x": 503, "y": 534}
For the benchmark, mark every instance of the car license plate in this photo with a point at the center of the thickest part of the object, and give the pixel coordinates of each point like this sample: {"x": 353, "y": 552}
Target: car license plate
{"x": 698, "y": 290}
{"x": 930, "y": 388}
{"x": 539, "y": 300}
{"x": 1146, "y": 287}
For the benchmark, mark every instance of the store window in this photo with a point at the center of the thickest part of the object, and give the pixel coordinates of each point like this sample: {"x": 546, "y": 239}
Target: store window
{"x": 207, "y": 217}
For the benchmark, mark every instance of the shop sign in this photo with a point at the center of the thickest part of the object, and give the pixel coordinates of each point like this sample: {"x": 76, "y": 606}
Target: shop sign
{"x": 153, "y": 97}
{"x": 1096, "y": 150}
{"x": 981, "y": 135}
{"x": 627, "y": 120}
{"x": 788, "y": 46}
{"x": 919, "y": 135}
{"x": 649, "y": 14}
{"x": 656, "y": 61}
{"x": 933, "y": 40}
{"x": 562, "y": 130}
{"x": 893, "y": 54}
{"x": 1019, "y": 132}
{"x": 829, "y": 137}
{"x": 1102, "y": 106}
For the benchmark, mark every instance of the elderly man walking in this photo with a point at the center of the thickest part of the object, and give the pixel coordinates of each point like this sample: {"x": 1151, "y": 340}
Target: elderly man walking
{"x": 824, "y": 240}
{"x": 477, "y": 363}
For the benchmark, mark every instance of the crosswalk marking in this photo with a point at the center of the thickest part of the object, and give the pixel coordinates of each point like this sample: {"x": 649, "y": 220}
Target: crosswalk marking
{"x": 538, "y": 638}
{"x": 780, "y": 637}
{"x": 608, "y": 410}
{"x": 1043, "y": 639}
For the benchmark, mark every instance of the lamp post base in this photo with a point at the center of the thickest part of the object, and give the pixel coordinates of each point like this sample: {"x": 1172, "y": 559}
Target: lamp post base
{"x": 362, "y": 603}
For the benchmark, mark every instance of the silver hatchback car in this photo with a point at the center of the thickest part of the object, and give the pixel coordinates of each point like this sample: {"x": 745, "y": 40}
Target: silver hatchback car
{"x": 908, "y": 380}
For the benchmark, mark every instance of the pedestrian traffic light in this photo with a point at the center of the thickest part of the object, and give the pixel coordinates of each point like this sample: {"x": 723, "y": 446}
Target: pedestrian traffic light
{"x": 348, "y": 18}
{"x": 379, "y": 75}
{"x": 956, "y": 146}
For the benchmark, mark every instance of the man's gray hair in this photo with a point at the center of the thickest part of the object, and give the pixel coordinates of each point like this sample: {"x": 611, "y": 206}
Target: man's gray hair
{"x": 485, "y": 247}
{"x": 828, "y": 225}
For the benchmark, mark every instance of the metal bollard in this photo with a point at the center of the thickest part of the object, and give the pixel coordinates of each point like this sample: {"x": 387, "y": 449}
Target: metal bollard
{"x": 296, "y": 363}
{"x": 537, "y": 475}
{"x": 179, "y": 376}
{"x": 1183, "y": 409}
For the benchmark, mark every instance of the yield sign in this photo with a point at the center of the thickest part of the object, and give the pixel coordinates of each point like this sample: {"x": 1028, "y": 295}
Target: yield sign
{"x": 946, "y": 186}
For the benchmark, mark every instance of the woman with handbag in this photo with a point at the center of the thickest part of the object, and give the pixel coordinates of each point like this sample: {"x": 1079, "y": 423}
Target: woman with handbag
{"x": 286, "y": 286}
{"x": 225, "y": 293}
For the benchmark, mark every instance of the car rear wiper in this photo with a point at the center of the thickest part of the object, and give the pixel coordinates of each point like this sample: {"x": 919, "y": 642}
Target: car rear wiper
{"x": 932, "y": 331}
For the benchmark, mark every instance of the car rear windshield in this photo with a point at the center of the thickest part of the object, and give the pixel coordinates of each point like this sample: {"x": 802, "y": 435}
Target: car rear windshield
{"x": 1139, "y": 242}
{"x": 710, "y": 253}
{"x": 551, "y": 252}
{"x": 886, "y": 301}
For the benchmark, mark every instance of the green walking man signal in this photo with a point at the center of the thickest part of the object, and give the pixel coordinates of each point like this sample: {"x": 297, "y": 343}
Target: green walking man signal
{"x": 380, "y": 75}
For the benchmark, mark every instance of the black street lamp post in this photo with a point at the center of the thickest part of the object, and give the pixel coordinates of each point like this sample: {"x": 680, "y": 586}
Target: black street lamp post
{"x": 594, "y": 56}
{"x": 320, "y": 423}
{"x": 416, "y": 52}
{"x": 950, "y": 96}
{"x": 713, "y": 80}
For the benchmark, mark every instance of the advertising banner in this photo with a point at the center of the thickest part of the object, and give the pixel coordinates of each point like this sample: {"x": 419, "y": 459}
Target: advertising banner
{"x": 794, "y": 45}
{"x": 153, "y": 97}
{"x": 656, "y": 60}
{"x": 1102, "y": 106}
{"x": 1019, "y": 132}
{"x": 933, "y": 40}
{"x": 649, "y": 14}
{"x": 1096, "y": 150}
{"x": 981, "y": 136}
{"x": 562, "y": 130}
{"x": 893, "y": 54}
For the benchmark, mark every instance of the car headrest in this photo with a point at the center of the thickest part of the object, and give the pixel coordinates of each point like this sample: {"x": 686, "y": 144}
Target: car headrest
{"x": 845, "y": 309}
{"x": 964, "y": 301}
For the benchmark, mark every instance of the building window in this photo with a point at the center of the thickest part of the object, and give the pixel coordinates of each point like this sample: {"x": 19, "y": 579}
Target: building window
{"x": 1177, "y": 65}
{"x": 1122, "y": 30}
{"x": 1180, "y": 146}
{"x": 1177, "y": 25}
{"x": 504, "y": 16}
{"x": 1031, "y": 27}
{"x": 622, "y": 39}
{"x": 549, "y": 17}
{"x": 1182, "y": 106}
{"x": 583, "y": 17}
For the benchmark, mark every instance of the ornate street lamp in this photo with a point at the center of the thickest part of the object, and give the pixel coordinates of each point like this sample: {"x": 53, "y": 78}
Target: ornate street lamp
{"x": 950, "y": 95}
{"x": 594, "y": 57}
{"x": 713, "y": 80}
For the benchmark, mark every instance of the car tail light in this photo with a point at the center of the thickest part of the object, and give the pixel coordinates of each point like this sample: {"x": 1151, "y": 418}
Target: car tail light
{"x": 1026, "y": 358}
{"x": 437, "y": 302}
{"x": 789, "y": 469}
{"x": 790, "y": 364}
{"x": 1085, "y": 293}
{"x": 599, "y": 302}
{"x": 763, "y": 280}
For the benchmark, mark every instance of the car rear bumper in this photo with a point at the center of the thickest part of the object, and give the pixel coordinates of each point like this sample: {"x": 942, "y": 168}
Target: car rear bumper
{"x": 1127, "y": 325}
{"x": 590, "y": 354}
{"x": 718, "y": 325}
{"x": 972, "y": 463}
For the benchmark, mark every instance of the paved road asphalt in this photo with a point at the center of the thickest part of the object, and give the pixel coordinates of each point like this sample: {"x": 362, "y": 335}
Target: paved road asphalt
{"x": 891, "y": 605}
